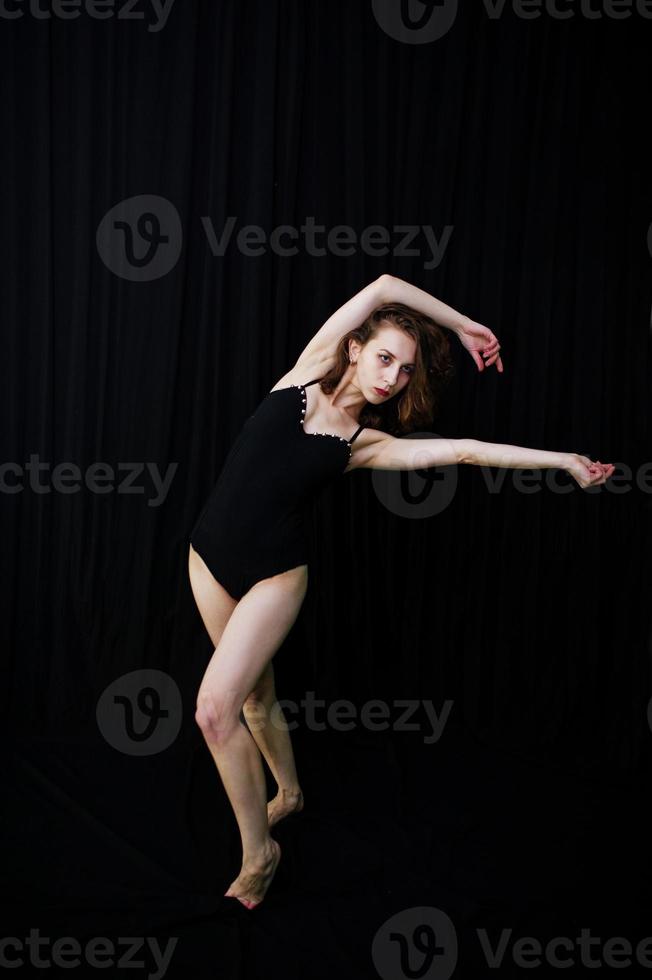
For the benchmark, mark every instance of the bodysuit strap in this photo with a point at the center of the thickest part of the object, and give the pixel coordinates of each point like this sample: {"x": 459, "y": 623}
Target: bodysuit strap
{"x": 356, "y": 434}
{"x": 312, "y": 382}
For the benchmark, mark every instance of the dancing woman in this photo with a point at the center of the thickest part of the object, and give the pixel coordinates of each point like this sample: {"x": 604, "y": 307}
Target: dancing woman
{"x": 370, "y": 374}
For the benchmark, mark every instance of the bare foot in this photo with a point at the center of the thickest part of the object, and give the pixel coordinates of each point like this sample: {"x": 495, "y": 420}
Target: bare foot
{"x": 255, "y": 877}
{"x": 282, "y": 805}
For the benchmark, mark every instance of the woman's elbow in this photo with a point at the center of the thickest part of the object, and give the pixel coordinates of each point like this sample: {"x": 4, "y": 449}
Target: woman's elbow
{"x": 466, "y": 450}
{"x": 384, "y": 284}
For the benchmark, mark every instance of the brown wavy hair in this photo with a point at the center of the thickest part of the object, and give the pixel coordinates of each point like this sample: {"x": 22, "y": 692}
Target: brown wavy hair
{"x": 418, "y": 403}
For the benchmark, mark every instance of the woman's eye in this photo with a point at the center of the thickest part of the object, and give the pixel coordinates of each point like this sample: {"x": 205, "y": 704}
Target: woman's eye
{"x": 409, "y": 370}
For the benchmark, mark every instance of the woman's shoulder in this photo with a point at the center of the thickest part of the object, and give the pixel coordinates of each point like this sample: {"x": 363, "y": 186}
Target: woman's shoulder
{"x": 365, "y": 447}
{"x": 305, "y": 370}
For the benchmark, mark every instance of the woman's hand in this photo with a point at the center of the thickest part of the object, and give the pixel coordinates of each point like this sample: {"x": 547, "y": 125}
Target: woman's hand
{"x": 478, "y": 338}
{"x": 587, "y": 473}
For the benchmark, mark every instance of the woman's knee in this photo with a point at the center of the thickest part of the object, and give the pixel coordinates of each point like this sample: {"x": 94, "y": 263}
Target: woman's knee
{"x": 218, "y": 713}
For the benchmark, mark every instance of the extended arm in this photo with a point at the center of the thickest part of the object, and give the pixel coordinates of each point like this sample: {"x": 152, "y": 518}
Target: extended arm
{"x": 386, "y": 452}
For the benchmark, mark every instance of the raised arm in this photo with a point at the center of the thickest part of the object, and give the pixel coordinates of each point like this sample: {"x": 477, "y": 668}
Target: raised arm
{"x": 476, "y": 338}
{"x": 349, "y": 316}
{"x": 386, "y": 452}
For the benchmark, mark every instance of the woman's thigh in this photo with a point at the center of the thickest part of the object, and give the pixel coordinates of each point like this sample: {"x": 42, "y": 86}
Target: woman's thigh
{"x": 255, "y": 630}
{"x": 214, "y": 603}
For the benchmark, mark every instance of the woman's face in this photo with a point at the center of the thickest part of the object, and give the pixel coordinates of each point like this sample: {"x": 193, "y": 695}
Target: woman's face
{"x": 385, "y": 364}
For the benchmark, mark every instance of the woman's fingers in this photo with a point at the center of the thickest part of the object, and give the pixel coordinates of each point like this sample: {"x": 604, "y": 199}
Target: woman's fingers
{"x": 595, "y": 463}
{"x": 606, "y": 468}
{"x": 495, "y": 360}
{"x": 601, "y": 472}
{"x": 596, "y": 472}
{"x": 492, "y": 355}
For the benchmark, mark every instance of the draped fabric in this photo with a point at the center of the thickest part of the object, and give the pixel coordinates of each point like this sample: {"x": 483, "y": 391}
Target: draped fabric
{"x": 506, "y": 162}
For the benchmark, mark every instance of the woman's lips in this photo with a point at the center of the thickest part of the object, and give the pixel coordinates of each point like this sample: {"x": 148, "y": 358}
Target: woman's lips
{"x": 379, "y": 391}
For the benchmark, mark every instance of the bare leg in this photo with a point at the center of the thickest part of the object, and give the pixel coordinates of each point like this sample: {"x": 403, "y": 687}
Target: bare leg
{"x": 216, "y": 606}
{"x": 255, "y": 630}
{"x": 268, "y": 727}
{"x": 238, "y": 761}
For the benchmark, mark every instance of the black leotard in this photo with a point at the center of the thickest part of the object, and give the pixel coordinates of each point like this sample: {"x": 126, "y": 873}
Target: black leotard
{"x": 252, "y": 525}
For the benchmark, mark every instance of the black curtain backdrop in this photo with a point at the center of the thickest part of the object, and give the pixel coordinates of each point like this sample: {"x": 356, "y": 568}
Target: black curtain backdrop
{"x": 520, "y": 618}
